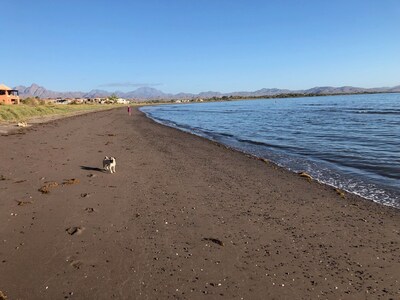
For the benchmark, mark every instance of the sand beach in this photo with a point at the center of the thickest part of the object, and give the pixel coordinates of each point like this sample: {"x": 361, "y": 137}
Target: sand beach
{"x": 182, "y": 218}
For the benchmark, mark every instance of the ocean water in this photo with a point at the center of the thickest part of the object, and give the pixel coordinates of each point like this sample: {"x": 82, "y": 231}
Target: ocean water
{"x": 350, "y": 142}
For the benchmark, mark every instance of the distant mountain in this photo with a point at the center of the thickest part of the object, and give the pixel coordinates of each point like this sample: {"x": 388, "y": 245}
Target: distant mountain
{"x": 37, "y": 91}
{"x": 395, "y": 89}
{"x": 147, "y": 93}
{"x": 272, "y": 92}
{"x": 209, "y": 94}
{"x": 324, "y": 90}
{"x": 97, "y": 94}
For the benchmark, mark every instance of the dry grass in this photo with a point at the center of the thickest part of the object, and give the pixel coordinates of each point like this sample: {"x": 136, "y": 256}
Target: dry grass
{"x": 23, "y": 112}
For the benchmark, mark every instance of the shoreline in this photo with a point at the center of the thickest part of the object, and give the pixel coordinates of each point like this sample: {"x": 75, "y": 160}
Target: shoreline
{"x": 267, "y": 160}
{"x": 183, "y": 217}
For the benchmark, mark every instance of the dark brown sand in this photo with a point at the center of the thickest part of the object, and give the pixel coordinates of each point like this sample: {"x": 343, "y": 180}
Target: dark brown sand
{"x": 183, "y": 218}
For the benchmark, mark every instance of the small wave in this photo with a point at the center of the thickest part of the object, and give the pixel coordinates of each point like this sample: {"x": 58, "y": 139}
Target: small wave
{"x": 277, "y": 146}
{"x": 379, "y": 112}
{"x": 225, "y": 134}
{"x": 359, "y": 111}
{"x": 373, "y": 111}
{"x": 313, "y": 104}
{"x": 342, "y": 133}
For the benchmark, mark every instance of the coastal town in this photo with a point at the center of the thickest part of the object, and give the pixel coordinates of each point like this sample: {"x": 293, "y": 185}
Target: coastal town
{"x": 11, "y": 96}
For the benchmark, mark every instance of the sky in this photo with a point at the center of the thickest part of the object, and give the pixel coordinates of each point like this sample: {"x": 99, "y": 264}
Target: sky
{"x": 199, "y": 45}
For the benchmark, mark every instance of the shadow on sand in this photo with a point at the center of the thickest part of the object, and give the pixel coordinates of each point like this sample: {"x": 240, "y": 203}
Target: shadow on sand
{"x": 91, "y": 169}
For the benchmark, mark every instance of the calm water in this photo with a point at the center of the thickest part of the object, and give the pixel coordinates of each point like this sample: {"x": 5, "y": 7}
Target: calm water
{"x": 350, "y": 142}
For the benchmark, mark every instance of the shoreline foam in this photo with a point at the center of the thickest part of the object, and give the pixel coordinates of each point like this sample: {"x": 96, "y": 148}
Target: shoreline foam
{"x": 322, "y": 171}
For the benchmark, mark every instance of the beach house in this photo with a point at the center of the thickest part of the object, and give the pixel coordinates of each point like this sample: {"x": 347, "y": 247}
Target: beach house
{"x": 8, "y": 95}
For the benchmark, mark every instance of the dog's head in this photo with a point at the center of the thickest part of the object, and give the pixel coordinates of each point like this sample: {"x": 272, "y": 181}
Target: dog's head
{"x": 112, "y": 159}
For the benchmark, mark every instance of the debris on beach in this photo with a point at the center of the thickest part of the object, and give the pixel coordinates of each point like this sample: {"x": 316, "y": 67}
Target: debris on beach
{"x": 264, "y": 160}
{"x": 216, "y": 241}
{"x": 340, "y": 193}
{"x": 84, "y": 195}
{"x": 70, "y": 181}
{"x": 2, "y": 177}
{"x": 19, "y": 181}
{"x": 3, "y": 296}
{"x": 111, "y": 134}
{"x": 22, "y": 124}
{"x": 74, "y": 230}
{"x": 22, "y": 203}
{"x": 89, "y": 209}
{"x": 45, "y": 189}
{"x": 305, "y": 175}
{"x": 51, "y": 184}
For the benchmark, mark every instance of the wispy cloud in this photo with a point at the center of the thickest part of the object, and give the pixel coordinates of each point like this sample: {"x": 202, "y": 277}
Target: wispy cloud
{"x": 129, "y": 84}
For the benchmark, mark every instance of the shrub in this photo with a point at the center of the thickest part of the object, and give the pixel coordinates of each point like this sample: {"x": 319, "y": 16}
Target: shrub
{"x": 30, "y": 101}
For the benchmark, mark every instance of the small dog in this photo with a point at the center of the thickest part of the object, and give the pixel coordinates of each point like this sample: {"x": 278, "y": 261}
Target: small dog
{"x": 109, "y": 164}
{"x": 106, "y": 163}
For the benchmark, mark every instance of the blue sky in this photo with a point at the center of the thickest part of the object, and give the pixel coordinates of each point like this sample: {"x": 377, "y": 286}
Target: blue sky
{"x": 200, "y": 45}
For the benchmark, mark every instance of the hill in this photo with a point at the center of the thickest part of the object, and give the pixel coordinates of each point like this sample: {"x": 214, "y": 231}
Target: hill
{"x": 147, "y": 93}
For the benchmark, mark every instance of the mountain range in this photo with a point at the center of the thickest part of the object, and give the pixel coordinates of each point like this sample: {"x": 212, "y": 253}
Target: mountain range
{"x": 148, "y": 93}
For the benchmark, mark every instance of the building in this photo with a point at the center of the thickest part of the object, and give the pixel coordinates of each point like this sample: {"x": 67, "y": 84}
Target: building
{"x": 122, "y": 101}
{"x": 8, "y": 95}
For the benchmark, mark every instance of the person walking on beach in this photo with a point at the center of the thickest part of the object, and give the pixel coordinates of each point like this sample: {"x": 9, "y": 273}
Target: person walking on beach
{"x": 129, "y": 110}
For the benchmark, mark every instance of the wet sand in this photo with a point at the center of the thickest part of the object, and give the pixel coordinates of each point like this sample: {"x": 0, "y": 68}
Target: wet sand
{"x": 183, "y": 218}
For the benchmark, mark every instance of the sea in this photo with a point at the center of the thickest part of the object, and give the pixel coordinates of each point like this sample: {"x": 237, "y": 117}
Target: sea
{"x": 351, "y": 142}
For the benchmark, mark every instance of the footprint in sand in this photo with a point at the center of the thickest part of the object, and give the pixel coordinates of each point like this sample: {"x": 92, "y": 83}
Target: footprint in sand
{"x": 74, "y": 262}
{"x": 74, "y": 230}
{"x": 215, "y": 241}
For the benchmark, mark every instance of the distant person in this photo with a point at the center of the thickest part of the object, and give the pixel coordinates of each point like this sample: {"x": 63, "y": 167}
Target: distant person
{"x": 129, "y": 110}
